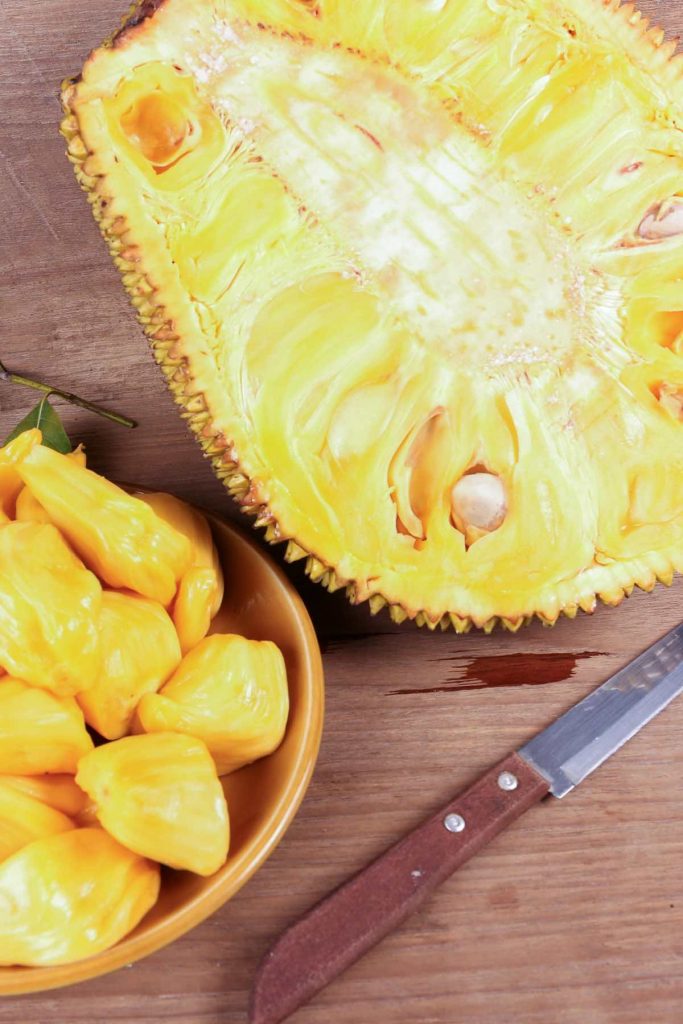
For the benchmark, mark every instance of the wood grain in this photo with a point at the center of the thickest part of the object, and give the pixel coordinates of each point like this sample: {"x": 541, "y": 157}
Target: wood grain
{"x": 575, "y": 916}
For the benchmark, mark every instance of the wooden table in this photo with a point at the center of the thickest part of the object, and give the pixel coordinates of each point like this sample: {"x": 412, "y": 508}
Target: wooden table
{"x": 575, "y": 916}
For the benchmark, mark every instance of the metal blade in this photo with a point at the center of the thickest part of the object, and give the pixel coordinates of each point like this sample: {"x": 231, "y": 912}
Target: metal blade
{"x": 578, "y": 742}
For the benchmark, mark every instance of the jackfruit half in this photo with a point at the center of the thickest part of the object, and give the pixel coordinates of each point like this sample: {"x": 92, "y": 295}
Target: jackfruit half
{"x": 413, "y": 272}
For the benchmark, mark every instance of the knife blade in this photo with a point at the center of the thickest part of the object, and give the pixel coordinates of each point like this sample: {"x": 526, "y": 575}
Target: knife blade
{"x": 584, "y": 737}
{"x": 357, "y": 915}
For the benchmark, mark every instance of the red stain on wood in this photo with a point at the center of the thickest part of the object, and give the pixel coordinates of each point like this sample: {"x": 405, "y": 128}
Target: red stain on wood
{"x": 523, "y": 669}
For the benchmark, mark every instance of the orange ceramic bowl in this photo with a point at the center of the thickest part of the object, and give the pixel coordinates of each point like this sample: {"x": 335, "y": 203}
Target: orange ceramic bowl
{"x": 263, "y": 797}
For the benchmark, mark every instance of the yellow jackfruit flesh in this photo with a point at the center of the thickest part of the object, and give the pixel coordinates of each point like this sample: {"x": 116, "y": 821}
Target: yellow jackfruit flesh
{"x": 382, "y": 246}
{"x": 23, "y": 819}
{"x": 28, "y": 509}
{"x": 57, "y": 791}
{"x": 140, "y": 650}
{"x": 160, "y": 796}
{"x": 200, "y": 591}
{"x": 49, "y": 610}
{"x": 118, "y": 536}
{"x": 69, "y": 896}
{"x": 192, "y": 606}
{"x": 10, "y": 481}
{"x": 230, "y": 692}
{"x": 39, "y": 732}
{"x": 70, "y": 888}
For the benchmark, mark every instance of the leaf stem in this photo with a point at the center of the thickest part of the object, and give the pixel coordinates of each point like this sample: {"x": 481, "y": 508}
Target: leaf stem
{"x": 48, "y": 389}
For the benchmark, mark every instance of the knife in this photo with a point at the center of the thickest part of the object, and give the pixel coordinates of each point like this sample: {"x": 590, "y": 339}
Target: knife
{"x": 349, "y": 922}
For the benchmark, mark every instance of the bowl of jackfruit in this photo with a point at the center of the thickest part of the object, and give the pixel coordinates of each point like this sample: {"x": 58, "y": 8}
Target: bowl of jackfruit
{"x": 161, "y": 703}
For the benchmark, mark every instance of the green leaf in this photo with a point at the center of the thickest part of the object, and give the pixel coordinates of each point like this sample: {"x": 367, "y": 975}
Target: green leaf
{"x": 46, "y": 419}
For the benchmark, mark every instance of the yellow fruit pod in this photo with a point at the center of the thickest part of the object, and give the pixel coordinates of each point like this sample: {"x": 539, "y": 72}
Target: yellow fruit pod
{"x": 69, "y": 896}
{"x": 57, "y": 791}
{"x": 229, "y": 691}
{"x": 50, "y": 610}
{"x": 200, "y": 592}
{"x": 10, "y": 481}
{"x": 192, "y": 606}
{"x": 160, "y": 796}
{"x": 118, "y": 536}
{"x": 28, "y": 509}
{"x": 193, "y": 525}
{"x": 23, "y": 819}
{"x": 140, "y": 650}
{"x": 39, "y": 732}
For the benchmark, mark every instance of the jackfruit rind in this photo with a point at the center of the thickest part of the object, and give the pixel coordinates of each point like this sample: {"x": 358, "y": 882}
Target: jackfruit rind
{"x": 379, "y": 247}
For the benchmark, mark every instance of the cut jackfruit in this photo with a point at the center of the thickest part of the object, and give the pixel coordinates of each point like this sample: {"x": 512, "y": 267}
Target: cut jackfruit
{"x": 39, "y": 732}
{"x": 57, "y": 791}
{"x": 381, "y": 247}
{"x": 140, "y": 650}
{"x": 71, "y": 895}
{"x": 10, "y": 481}
{"x": 229, "y": 692}
{"x": 50, "y": 607}
{"x": 28, "y": 508}
{"x": 118, "y": 536}
{"x": 24, "y": 819}
{"x": 160, "y": 796}
{"x": 200, "y": 591}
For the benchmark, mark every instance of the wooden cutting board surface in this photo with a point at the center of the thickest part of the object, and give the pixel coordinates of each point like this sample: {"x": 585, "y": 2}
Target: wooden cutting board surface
{"x": 575, "y": 916}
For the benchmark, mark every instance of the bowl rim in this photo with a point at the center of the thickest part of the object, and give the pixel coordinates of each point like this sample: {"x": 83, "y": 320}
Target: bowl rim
{"x": 20, "y": 981}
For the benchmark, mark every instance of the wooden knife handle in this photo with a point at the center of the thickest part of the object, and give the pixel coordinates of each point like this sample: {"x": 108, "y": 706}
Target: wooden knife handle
{"x": 347, "y": 923}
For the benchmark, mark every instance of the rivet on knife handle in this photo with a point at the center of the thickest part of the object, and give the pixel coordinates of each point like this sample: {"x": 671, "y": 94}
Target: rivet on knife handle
{"x": 345, "y": 925}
